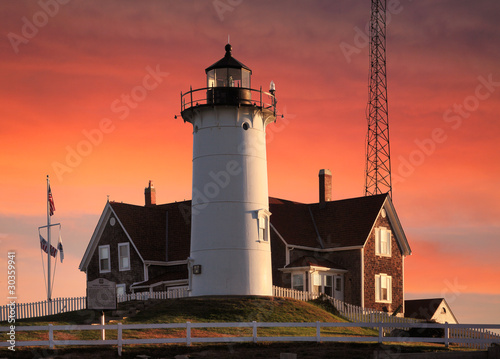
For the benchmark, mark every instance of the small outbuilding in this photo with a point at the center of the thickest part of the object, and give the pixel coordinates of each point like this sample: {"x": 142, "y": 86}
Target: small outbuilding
{"x": 434, "y": 309}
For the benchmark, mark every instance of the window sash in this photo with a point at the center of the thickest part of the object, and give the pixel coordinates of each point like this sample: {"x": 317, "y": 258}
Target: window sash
{"x": 124, "y": 256}
{"x": 120, "y": 289}
{"x": 383, "y": 288}
{"x": 298, "y": 282}
{"x": 104, "y": 262}
{"x": 383, "y": 241}
{"x": 263, "y": 228}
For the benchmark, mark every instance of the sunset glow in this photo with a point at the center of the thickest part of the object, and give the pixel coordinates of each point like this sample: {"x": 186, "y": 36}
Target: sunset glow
{"x": 89, "y": 92}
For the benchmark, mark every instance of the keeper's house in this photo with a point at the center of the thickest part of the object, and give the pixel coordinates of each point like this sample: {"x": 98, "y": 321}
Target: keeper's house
{"x": 351, "y": 249}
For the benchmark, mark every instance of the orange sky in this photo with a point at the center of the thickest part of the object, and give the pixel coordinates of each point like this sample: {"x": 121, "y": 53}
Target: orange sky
{"x": 67, "y": 69}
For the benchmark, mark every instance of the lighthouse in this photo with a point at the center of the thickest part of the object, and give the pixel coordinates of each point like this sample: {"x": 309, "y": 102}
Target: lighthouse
{"x": 230, "y": 229}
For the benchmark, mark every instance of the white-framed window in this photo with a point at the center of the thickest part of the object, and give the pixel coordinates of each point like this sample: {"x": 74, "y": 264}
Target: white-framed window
{"x": 121, "y": 290}
{"x": 383, "y": 288}
{"x": 124, "y": 256}
{"x": 316, "y": 282}
{"x": 104, "y": 262}
{"x": 263, "y": 224}
{"x": 383, "y": 242}
{"x": 298, "y": 281}
{"x": 328, "y": 282}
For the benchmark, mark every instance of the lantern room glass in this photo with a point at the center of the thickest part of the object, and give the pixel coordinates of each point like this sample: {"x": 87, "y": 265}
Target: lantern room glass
{"x": 228, "y": 77}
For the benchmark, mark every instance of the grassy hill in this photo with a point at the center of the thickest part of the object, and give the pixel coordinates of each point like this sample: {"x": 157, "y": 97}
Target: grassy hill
{"x": 234, "y": 309}
{"x": 204, "y": 309}
{"x": 207, "y": 309}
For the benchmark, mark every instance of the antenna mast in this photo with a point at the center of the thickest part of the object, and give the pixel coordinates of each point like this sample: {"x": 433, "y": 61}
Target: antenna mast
{"x": 378, "y": 158}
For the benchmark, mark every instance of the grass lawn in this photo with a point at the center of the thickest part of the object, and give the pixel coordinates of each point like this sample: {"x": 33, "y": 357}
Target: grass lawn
{"x": 207, "y": 310}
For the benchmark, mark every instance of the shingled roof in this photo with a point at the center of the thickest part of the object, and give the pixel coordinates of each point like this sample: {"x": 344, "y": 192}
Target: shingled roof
{"x": 146, "y": 227}
{"x": 335, "y": 224}
{"x": 342, "y": 223}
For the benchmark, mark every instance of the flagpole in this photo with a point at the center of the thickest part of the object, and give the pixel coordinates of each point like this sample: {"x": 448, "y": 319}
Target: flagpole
{"x": 49, "y": 294}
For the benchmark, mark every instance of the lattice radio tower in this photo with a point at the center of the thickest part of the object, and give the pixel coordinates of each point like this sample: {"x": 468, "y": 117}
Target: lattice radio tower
{"x": 378, "y": 156}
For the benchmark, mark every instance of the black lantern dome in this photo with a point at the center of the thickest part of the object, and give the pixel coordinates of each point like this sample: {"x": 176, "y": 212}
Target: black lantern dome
{"x": 228, "y": 84}
{"x": 228, "y": 72}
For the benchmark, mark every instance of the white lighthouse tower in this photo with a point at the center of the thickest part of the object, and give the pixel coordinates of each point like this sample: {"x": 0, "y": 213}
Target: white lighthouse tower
{"x": 230, "y": 246}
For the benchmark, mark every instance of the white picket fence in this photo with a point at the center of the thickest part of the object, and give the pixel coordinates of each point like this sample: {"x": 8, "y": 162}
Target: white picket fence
{"x": 359, "y": 314}
{"x": 351, "y": 312}
{"x": 474, "y": 333}
{"x": 63, "y": 305}
{"x": 470, "y": 336}
{"x": 42, "y": 308}
{"x": 185, "y": 336}
{"x": 168, "y": 294}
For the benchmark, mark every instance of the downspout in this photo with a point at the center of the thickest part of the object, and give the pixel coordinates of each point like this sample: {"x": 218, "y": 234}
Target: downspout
{"x": 190, "y": 262}
{"x": 403, "y": 280}
{"x": 362, "y": 278}
{"x": 288, "y": 248}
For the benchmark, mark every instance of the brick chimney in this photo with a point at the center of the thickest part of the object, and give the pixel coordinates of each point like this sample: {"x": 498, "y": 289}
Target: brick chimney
{"x": 150, "y": 195}
{"x": 325, "y": 186}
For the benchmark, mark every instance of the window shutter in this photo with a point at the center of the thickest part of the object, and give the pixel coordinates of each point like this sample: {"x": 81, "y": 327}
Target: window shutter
{"x": 377, "y": 287}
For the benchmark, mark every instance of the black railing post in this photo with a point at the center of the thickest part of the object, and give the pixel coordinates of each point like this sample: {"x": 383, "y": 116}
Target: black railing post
{"x": 262, "y": 106}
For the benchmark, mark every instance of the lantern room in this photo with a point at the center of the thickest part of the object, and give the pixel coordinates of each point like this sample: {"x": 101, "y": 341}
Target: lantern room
{"x": 228, "y": 72}
{"x": 228, "y": 84}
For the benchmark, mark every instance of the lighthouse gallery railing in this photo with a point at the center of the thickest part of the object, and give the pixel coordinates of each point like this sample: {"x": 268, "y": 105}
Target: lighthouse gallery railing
{"x": 208, "y": 96}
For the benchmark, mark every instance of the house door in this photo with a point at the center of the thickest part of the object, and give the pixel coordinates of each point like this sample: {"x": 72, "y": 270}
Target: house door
{"x": 338, "y": 284}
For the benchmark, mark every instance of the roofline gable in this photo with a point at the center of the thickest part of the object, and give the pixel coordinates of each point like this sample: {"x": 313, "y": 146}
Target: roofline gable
{"x": 94, "y": 241}
{"x": 396, "y": 226}
{"x": 128, "y": 236}
{"x": 445, "y": 303}
{"x": 99, "y": 229}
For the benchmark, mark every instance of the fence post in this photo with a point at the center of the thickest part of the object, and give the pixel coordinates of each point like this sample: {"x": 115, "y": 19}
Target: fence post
{"x": 318, "y": 331}
{"x": 380, "y": 333}
{"x": 120, "y": 342}
{"x": 188, "y": 334}
{"x": 254, "y": 331}
{"x": 446, "y": 334}
{"x": 51, "y": 337}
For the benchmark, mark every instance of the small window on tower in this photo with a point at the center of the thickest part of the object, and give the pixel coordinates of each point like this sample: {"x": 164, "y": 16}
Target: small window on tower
{"x": 263, "y": 225}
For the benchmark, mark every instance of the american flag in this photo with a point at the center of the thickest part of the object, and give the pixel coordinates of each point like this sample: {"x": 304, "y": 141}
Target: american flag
{"x": 51, "y": 202}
